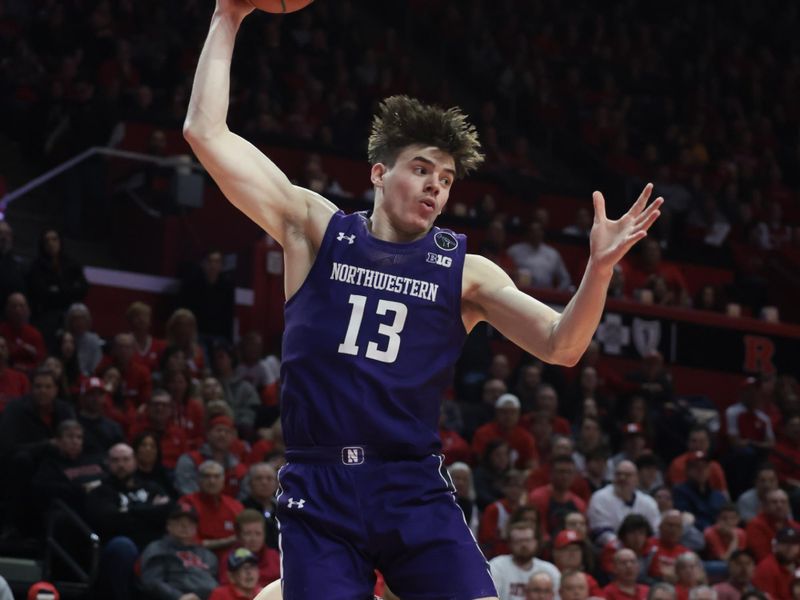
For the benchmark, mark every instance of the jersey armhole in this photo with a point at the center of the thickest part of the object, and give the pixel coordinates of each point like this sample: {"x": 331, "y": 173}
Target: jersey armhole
{"x": 324, "y": 247}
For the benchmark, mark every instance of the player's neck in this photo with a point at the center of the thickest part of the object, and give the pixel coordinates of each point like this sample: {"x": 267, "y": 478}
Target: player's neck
{"x": 381, "y": 227}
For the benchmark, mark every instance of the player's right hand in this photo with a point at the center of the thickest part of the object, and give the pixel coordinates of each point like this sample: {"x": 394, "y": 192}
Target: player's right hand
{"x": 237, "y": 8}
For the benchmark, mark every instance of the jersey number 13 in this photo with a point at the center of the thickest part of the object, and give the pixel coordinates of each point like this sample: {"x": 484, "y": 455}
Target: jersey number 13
{"x": 390, "y": 330}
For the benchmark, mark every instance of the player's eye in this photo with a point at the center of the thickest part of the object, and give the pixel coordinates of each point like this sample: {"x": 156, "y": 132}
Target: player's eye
{"x": 445, "y": 181}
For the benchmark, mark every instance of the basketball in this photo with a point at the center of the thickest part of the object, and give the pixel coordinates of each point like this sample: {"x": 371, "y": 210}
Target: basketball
{"x": 280, "y": 6}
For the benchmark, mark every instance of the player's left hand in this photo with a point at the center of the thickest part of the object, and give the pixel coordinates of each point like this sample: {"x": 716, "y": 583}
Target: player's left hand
{"x": 610, "y": 240}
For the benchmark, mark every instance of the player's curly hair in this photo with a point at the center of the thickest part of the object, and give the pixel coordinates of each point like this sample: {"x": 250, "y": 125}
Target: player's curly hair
{"x": 402, "y": 121}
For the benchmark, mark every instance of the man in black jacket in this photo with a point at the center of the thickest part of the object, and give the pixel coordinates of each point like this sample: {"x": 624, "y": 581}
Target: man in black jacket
{"x": 99, "y": 432}
{"x": 128, "y": 513}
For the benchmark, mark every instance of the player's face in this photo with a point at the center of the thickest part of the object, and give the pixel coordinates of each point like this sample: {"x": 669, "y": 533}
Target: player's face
{"x": 416, "y": 188}
{"x": 252, "y": 536}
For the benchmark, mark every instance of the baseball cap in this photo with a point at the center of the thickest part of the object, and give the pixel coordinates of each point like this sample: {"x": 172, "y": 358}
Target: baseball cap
{"x": 506, "y": 400}
{"x": 697, "y": 456}
{"x": 221, "y": 420}
{"x": 91, "y": 384}
{"x": 43, "y": 590}
{"x": 566, "y": 537}
{"x": 788, "y": 535}
{"x": 240, "y": 557}
{"x": 632, "y": 429}
{"x": 183, "y": 509}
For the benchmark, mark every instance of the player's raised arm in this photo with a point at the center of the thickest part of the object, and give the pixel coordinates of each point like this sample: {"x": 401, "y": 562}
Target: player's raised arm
{"x": 250, "y": 180}
{"x": 489, "y": 294}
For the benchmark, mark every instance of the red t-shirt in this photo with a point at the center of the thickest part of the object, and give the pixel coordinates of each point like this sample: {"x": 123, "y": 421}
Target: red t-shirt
{"x": 612, "y": 592}
{"x": 716, "y": 476}
{"x": 190, "y": 416}
{"x": 541, "y": 476}
{"x": 217, "y": 517}
{"x": 542, "y": 497}
{"x": 518, "y": 439}
{"x": 760, "y": 531}
{"x": 269, "y": 566}
{"x": 13, "y": 384}
{"x": 172, "y": 441}
{"x": 493, "y": 522}
{"x": 16, "y": 337}
{"x": 773, "y": 578}
{"x": 150, "y": 356}
{"x": 137, "y": 385}
{"x": 454, "y": 447}
{"x": 716, "y": 547}
{"x": 663, "y": 558}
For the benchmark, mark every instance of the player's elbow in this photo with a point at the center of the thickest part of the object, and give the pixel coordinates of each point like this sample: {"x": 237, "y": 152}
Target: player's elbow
{"x": 565, "y": 358}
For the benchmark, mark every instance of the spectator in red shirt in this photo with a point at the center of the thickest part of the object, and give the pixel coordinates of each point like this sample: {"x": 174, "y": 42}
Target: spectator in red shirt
{"x": 699, "y": 441}
{"x": 147, "y": 349}
{"x": 157, "y": 418}
{"x": 506, "y": 427}
{"x": 137, "y": 385}
{"x": 555, "y": 499}
{"x": 547, "y": 403}
{"x": 242, "y": 565}
{"x": 13, "y": 383}
{"x": 492, "y": 534}
{"x": 188, "y": 411}
{"x": 217, "y": 511}
{"x": 775, "y": 572}
{"x": 626, "y": 570}
{"x": 25, "y": 343}
{"x": 250, "y": 534}
{"x": 666, "y": 548}
{"x": 762, "y": 529}
{"x": 571, "y": 552}
{"x": 639, "y": 270}
{"x": 725, "y": 537}
{"x": 741, "y": 567}
{"x": 786, "y": 454}
{"x": 561, "y": 445}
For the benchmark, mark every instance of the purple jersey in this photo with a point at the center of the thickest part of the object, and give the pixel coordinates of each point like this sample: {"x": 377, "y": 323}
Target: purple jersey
{"x": 371, "y": 340}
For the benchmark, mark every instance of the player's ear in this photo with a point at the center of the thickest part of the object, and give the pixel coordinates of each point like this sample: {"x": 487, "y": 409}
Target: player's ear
{"x": 376, "y": 174}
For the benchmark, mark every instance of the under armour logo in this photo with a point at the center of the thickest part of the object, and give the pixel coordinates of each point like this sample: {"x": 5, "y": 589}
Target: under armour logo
{"x": 292, "y": 503}
{"x": 352, "y": 455}
{"x": 350, "y": 238}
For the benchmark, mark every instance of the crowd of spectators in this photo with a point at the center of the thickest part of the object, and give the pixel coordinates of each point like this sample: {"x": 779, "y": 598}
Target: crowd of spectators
{"x": 576, "y": 482}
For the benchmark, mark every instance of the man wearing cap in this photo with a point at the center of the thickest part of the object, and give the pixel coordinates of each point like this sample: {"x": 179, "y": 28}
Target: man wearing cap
{"x": 695, "y": 495}
{"x": 217, "y": 510}
{"x": 506, "y": 427}
{"x": 511, "y": 572}
{"x": 556, "y": 499}
{"x": 99, "y": 432}
{"x": 250, "y": 535}
{"x": 775, "y": 572}
{"x": 699, "y": 441}
{"x": 176, "y": 567}
{"x": 137, "y": 384}
{"x": 611, "y": 504}
{"x": 569, "y": 548}
{"x": 762, "y": 529}
{"x": 220, "y": 436}
{"x": 243, "y": 573}
{"x": 634, "y": 443}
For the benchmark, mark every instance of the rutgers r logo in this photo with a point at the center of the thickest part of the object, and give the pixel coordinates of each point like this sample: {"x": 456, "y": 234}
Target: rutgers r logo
{"x": 353, "y": 455}
{"x": 438, "y": 259}
{"x": 758, "y": 352}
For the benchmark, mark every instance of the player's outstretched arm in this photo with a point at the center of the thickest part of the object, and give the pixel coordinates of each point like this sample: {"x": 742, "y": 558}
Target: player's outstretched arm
{"x": 489, "y": 294}
{"x": 250, "y": 180}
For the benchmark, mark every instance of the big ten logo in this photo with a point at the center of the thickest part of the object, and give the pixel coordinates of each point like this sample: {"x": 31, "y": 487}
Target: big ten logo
{"x": 758, "y": 353}
{"x": 438, "y": 259}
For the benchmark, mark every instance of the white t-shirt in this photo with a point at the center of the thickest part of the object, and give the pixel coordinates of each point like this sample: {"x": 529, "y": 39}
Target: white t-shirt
{"x": 607, "y": 510}
{"x": 510, "y": 580}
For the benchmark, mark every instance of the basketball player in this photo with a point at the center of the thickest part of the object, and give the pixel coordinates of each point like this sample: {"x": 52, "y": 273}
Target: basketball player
{"x": 377, "y": 309}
